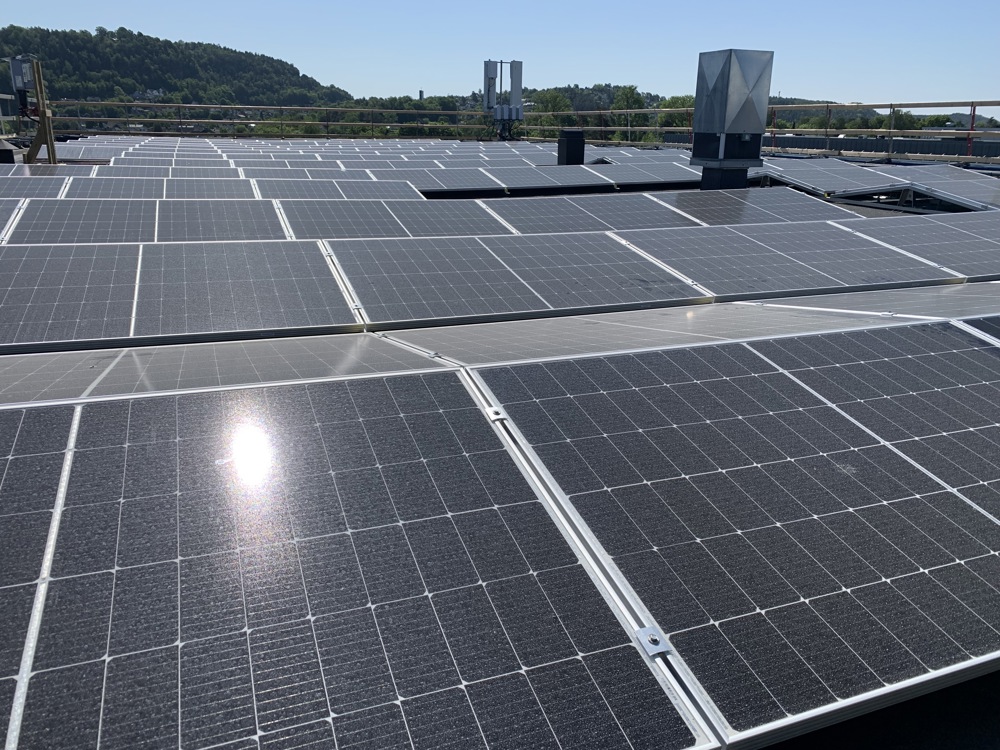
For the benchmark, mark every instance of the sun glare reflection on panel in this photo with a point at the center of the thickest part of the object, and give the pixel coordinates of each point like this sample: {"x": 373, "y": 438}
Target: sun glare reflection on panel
{"x": 252, "y": 455}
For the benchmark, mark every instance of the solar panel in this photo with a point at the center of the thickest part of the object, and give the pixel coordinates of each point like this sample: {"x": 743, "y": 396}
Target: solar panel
{"x": 826, "y": 175}
{"x": 794, "y": 559}
{"x": 966, "y": 253}
{"x": 716, "y": 208}
{"x": 415, "y": 279}
{"x": 466, "y": 179}
{"x": 383, "y": 189}
{"x": 58, "y": 222}
{"x": 195, "y": 287}
{"x": 205, "y": 173}
{"x": 305, "y": 189}
{"x": 151, "y": 369}
{"x": 59, "y": 293}
{"x": 268, "y": 173}
{"x": 419, "y": 178}
{"x": 48, "y": 170}
{"x": 208, "y": 188}
{"x": 556, "y": 214}
{"x": 630, "y": 211}
{"x": 444, "y": 218}
{"x": 142, "y": 161}
{"x": 623, "y": 174}
{"x": 791, "y": 205}
{"x": 251, "y": 593}
{"x": 947, "y": 301}
{"x": 586, "y": 270}
{"x": 573, "y": 175}
{"x": 113, "y": 171}
{"x": 114, "y": 187}
{"x": 601, "y": 333}
{"x": 670, "y": 172}
{"x": 930, "y": 391}
{"x": 340, "y": 219}
{"x": 849, "y": 258}
{"x": 521, "y": 177}
{"x": 31, "y": 187}
{"x": 193, "y": 220}
{"x": 726, "y": 262}
{"x": 7, "y": 209}
{"x": 43, "y": 377}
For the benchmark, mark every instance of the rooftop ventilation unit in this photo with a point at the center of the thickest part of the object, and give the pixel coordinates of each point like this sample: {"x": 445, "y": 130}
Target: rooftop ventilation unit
{"x": 730, "y": 114}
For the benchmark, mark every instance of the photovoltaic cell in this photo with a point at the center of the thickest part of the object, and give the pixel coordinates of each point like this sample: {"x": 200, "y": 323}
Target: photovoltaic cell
{"x": 467, "y": 179}
{"x": 965, "y": 248}
{"x": 929, "y": 390}
{"x": 848, "y": 258}
{"x": 556, "y": 214}
{"x": 716, "y": 207}
{"x": 791, "y": 205}
{"x": 420, "y": 278}
{"x": 208, "y": 188}
{"x": 521, "y": 177}
{"x": 205, "y": 173}
{"x": 794, "y": 558}
{"x": 106, "y": 170}
{"x": 444, "y": 218}
{"x": 585, "y": 270}
{"x": 394, "y": 189}
{"x": 59, "y": 222}
{"x": 292, "y": 189}
{"x": 31, "y": 187}
{"x": 243, "y": 600}
{"x": 341, "y": 219}
{"x": 195, "y": 287}
{"x": 193, "y": 220}
{"x": 57, "y": 293}
{"x": 7, "y": 208}
{"x": 115, "y": 187}
{"x": 630, "y": 211}
{"x": 419, "y": 178}
{"x": 726, "y": 262}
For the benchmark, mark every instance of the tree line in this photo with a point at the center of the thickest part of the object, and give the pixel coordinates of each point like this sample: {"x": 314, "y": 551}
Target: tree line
{"x": 131, "y": 68}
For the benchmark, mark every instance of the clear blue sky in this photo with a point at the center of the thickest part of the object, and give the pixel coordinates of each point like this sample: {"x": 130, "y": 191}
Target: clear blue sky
{"x": 844, "y": 51}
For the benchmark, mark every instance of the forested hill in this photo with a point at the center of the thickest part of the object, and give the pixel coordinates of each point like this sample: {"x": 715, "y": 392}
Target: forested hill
{"x": 124, "y": 64}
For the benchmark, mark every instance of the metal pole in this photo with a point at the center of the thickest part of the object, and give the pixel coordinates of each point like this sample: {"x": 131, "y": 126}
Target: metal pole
{"x": 972, "y": 127}
{"x": 892, "y": 126}
{"x": 43, "y": 134}
{"x": 827, "y": 131}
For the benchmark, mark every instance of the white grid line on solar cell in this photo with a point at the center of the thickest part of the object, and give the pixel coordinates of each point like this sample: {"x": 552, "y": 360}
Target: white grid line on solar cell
{"x": 193, "y": 287}
{"x": 726, "y": 262}
{"x": 379, "y": 190}
{"x": 444, "y": 218}
{"x": 584, "y": 270}
{"x": 31, "y": 187}
{"x": 283, "y": 189}
{"x": 413, "y": 279}
{"x": 75, "y": 221}
{"x": 341, "y": 219}
{"x": 183, "y": 220}
{"x": 631, "y": 211}
{"x": 548, "y": 214}
{"x": 208, "y": 189}
{"x": 62, "y": 293}
{"x": 850, "y": 259}
{"x": 722, "y": 577}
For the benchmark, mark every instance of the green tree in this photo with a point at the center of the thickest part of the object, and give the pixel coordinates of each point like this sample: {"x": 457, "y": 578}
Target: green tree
{"x": 935, "y": 121}
{"x": 628, "y": 97}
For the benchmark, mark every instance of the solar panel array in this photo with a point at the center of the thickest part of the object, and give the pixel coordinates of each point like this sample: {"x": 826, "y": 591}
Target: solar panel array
{"x": 967, "y": 187}
{"x": 514, "y": 488}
